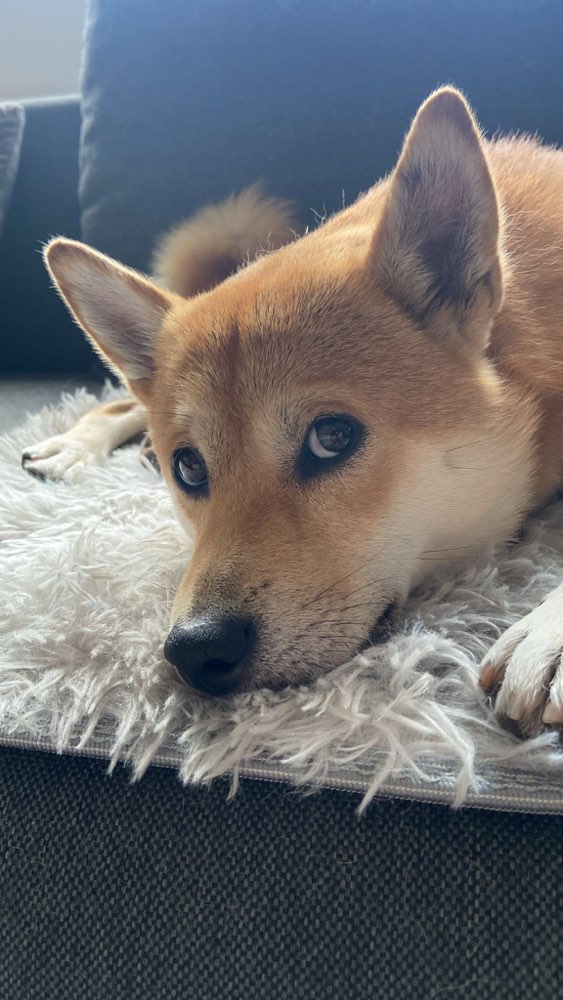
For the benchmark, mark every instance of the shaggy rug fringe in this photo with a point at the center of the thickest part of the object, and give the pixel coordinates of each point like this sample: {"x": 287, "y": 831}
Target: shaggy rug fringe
{"x": 87, "y": 574}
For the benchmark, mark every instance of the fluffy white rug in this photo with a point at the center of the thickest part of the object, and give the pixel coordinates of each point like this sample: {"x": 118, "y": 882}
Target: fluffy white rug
{"x": 87, "y": 573}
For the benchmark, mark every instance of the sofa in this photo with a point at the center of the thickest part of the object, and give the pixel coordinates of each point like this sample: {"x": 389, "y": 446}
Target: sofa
{"x": 111, "y": 889}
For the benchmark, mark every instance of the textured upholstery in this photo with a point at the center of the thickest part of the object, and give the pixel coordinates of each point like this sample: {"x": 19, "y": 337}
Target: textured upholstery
{"x": 115, "y": 891}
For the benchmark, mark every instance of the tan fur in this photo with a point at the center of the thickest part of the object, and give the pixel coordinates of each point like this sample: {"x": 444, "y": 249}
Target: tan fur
{"x": 213, "y": 244}
{"x": 431, "y": 311}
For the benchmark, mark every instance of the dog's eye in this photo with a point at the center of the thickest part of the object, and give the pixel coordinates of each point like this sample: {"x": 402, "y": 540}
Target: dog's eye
{"x": 329, "y": 437}
{"x": 330, "y": 441}
{"x": 189, "y": 470}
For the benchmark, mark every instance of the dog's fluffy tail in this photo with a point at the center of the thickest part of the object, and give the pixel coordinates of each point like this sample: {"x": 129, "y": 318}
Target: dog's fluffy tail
{"x": 205, "y": 249}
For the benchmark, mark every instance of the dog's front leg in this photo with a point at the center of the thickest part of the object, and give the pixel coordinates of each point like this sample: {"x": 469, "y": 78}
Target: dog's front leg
{"x": 88, "y": 442}
{"x": 525, "y": 667}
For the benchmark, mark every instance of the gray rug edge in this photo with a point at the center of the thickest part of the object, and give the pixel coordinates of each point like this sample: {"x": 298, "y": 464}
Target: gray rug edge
{"x": 547, "y": 800}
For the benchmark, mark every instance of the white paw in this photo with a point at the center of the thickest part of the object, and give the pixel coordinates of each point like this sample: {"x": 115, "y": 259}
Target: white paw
{"x": 60, "y": 457}
{"x": 525, "y": 668}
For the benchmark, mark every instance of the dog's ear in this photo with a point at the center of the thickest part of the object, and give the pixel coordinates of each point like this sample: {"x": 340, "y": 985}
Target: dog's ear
{"x": 436, "y": 248}
{"x": 120, "y": 310}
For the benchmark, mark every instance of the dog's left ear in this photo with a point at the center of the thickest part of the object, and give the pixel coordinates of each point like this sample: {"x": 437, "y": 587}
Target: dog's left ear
{"x": 120, "y": 311}
{"x": 436, "y": 248}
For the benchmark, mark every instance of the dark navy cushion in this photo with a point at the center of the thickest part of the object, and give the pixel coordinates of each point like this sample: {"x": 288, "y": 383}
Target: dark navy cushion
{"x": 186, "y": 101}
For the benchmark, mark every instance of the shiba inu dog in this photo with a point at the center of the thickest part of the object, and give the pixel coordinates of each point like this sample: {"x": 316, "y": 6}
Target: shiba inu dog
{"x": 340, "y": 415}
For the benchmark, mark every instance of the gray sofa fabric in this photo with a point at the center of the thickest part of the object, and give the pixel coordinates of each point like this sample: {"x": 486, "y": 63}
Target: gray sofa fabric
{"x": 12, "y": 119}
{"x": 120, "y": 891}
{"x": 37, "y": 334}
{"x": 186, "y": 101}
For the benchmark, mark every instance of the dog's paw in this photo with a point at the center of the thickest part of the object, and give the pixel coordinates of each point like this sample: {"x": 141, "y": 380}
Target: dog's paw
{"x": 524, "y": 669}
{"x": 60, "y": 457}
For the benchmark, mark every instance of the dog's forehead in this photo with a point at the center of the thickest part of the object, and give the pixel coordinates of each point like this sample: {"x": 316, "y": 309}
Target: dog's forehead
{"x": 240, "y": 376}
{"x": 268, "y": 324}
{"x": 279, "y": 341}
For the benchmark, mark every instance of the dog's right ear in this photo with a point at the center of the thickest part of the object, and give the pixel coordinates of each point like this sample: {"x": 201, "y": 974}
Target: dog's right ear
{"x": 437, "y": 247}
{"x": 120, "y": 310}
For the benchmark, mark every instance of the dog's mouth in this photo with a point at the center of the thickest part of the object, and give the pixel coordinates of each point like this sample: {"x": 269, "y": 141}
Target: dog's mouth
{"x": 384, "y": 626}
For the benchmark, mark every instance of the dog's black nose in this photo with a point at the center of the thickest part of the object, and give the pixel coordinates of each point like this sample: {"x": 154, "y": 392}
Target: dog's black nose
{"x": 209, "y": 654}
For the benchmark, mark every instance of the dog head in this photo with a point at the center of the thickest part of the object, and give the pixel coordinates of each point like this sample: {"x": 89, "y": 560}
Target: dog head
{"x": 326, "y": 418}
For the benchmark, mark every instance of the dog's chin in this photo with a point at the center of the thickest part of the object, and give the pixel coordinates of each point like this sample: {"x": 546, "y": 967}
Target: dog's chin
{"x": 380, "y": 632}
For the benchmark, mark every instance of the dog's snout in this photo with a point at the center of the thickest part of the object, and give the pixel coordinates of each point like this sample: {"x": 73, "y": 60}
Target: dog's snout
{"x": 209, "y": 654}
